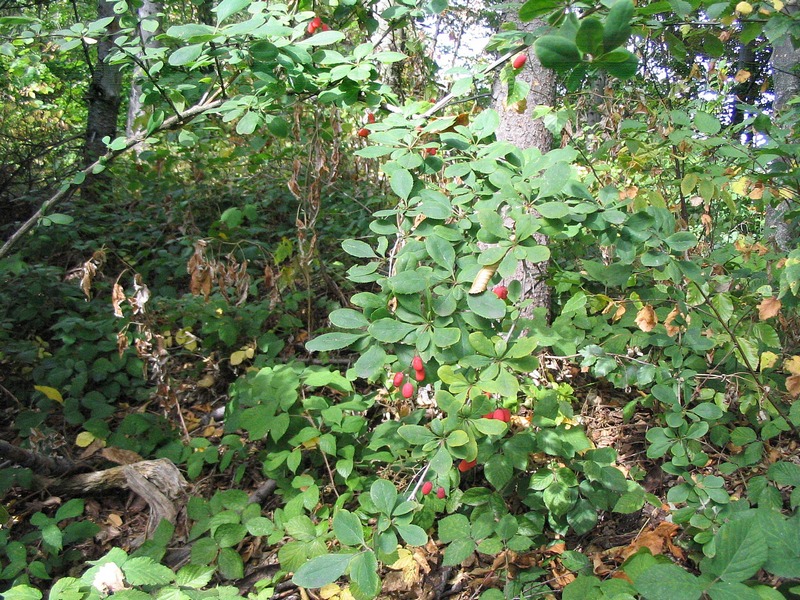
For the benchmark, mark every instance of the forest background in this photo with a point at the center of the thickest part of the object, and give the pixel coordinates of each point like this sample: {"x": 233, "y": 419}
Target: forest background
{"x": 557, "y": 354}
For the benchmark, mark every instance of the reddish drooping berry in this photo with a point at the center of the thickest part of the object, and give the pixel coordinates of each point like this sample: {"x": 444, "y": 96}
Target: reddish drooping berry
{"x": 325, "y": 27}
{"x": 466, "y": 465}
{"x": 500, "y": 291}
{"x": 398, "y": 379}
{"x": 502, "y": 414}
{"x": 430, "y": 151}
{"x": 419, "y": 375}
{"x": 416, "y": 363}
{"x": 489, "y": 415}
{"x": 426, "y": 488}
{"x": 440, "y": 493}
{"x": 407, "y": 390}
{"x": 363, "y": 132}
{"x": 519, "y": 61}
{"x": 370, "y": 117}
{"x": 314, "y": 24}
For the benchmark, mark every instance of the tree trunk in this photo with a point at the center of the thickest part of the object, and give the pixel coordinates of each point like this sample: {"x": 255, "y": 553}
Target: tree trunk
{"x": 103, "y": 111}
{"x": 786, "y": 85}
{"x": 147, "y": 11}
{"x": 518, "y": 126}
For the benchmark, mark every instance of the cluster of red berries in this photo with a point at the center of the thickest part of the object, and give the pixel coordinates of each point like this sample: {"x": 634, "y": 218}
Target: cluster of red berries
{"x": 364, "y": 132}
{"x": 316, "y": 23}
{"x": 407, "y": 388}
{"x": 427, "y": 487}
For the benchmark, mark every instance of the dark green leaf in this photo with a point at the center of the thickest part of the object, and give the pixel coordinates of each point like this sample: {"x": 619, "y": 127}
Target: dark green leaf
{"x": 322, "y": 570}
{"x": 557, "y": 53}
{"x": 332, "y": 341}
{"x": 617, "y": 28}
{"x": 347, "y": 528}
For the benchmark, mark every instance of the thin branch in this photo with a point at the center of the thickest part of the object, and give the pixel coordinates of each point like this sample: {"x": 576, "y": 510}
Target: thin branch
{"x": 136, "y": 139}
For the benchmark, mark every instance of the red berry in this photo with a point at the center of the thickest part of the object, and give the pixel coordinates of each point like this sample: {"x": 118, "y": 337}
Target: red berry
{"x": 426, "y": 488}
{"x": 311, "y": 28}
{"x": 316, "y": 22}
{"x": 502, "y": 414}
{"x": 363, "y": 132}
{"x": 519, "y": 61}
{"x": 489, "y": 415}
{"x": 325, "y": 27}
{"x": 430, "y": 151}
{"x": 419, "y": 375}
{"x": 408, "y": 390}
{"x": 466, "y": 465}
{"x": 370, "y": 117}
{"x": 500, "y": 291}
{"x": 440, "y": 493}
{"x": 417, "y": 364}
{"x": 398, "y": 379}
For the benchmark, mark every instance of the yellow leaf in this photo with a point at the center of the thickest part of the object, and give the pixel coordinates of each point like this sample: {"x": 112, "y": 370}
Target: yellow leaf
{"x": 792, "y": 365}
{"x": 237, "y": 358}
{"x": 741, "y": 76}
{"x": 83, "y": 439}
{"x": 51, "y": 393}
{"x": 249, "y": 352}
{"x": 482, "y": 278}
{"x": 740, "y": 186}
{"x": 115, "y": 520}
{"x": 777, "y": 4}
{"x": 768, "y": 360}
{"x": 408, "y": 565}
{"x": 744, "y": 8}
{"x": 329, "y": 591}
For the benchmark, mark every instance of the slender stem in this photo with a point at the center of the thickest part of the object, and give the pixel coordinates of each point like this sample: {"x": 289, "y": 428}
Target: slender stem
{"x": 68, "y": 189}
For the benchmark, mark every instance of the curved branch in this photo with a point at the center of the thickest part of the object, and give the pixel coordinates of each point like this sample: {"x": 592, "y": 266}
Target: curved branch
{"x": 67, "y": 190}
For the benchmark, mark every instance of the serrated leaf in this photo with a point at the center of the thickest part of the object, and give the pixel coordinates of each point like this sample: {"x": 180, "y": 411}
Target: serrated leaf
{"x": 364, "y": 573}
{"x": 458, "y": 551}
{"x": 194, "y": 576}
{"x": 143, "y": 570}
{"x": 668, "y": 582}
{"x": 741, "y": 551}
{"x": 230, "y": 564}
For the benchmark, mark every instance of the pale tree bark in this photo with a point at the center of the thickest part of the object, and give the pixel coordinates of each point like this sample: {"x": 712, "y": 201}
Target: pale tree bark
{"x": 786, "y": 85}
{"x": 518, "y": 126}
{"x": 103, "y": 111}
{"x": 148, "y": 11}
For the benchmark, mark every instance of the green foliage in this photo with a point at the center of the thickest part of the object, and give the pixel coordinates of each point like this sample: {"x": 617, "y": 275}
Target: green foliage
{"x": 661, "y": 281}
